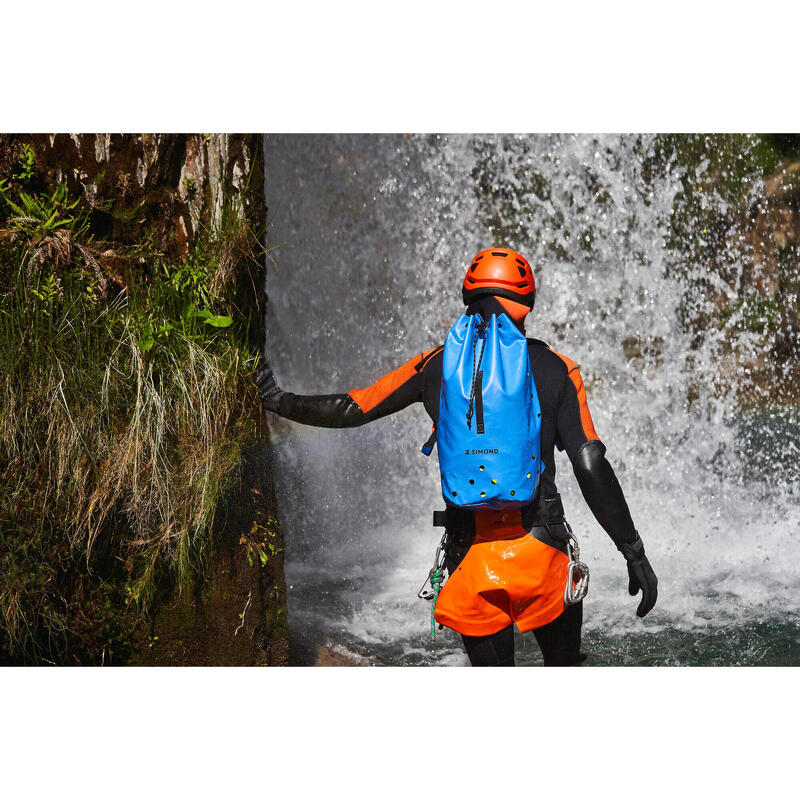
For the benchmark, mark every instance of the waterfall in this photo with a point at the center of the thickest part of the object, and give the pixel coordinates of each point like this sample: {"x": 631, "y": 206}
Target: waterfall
{"x": 371, "y": 236}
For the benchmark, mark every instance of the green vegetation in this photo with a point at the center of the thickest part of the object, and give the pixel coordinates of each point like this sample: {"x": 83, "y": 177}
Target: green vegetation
{"x": 125, "y": 407}
{"x": 753, "y": 313}
{"x": 259, "y": 543}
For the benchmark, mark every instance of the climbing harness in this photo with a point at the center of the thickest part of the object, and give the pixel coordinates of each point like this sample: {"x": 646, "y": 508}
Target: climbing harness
{"x": 435, "y": 579}
{"x": 577, "y": 572}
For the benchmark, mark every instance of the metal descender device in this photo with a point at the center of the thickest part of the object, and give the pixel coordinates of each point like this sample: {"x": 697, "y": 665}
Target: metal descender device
{"x": 438, "y": 566}
{"x": 577, "y": 572}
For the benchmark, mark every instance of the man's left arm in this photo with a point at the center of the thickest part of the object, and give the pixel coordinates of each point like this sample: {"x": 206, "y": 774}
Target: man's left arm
{"x": 600, "y": 487}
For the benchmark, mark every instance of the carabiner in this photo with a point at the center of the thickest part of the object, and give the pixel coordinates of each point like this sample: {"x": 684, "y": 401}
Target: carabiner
{"x": 577, "y": 572}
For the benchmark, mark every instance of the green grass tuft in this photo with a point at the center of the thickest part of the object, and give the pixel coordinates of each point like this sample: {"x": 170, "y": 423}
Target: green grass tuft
{"x": 124, "y": 412}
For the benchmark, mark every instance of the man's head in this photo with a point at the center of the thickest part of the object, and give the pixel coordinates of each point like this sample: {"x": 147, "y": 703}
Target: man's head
{"x": 503, "y": 274}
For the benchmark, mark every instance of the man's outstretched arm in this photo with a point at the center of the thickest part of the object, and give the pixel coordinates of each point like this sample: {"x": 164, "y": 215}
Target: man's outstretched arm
{"x": 391, "y": 393}
{"x": 324, "y": 410}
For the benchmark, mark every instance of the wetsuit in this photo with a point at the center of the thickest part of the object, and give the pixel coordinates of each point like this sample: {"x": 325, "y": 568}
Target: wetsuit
{"x": 482, "y": 612}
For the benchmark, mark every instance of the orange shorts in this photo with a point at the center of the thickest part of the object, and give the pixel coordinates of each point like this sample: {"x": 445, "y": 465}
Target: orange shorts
{"x": 506, "y": 577}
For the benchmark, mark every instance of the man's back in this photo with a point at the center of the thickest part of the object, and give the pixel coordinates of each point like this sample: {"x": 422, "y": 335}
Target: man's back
{"x": 506, "y": 567}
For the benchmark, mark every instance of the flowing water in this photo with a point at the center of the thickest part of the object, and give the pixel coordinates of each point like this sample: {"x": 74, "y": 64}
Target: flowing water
{"x": 373, "y": 235}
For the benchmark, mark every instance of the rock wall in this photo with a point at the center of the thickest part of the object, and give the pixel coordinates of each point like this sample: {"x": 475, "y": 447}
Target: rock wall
{"x": 238, "y": 615}
{"x": 166, "y": 190}
{"x": 170, "y": 185}
{"x": 764, "y": 238}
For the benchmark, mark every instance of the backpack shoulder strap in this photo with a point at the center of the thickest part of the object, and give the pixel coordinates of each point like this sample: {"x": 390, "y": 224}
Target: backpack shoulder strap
{"x": 426, "y": 357}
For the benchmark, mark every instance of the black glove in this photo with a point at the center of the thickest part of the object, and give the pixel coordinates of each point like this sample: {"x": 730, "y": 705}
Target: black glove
{"x": 640, "y": 575}
{"x": 271, "y": 393}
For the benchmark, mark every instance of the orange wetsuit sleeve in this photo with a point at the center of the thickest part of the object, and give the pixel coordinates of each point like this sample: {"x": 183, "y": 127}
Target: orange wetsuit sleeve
{"x": 395, "y": 390}
{"x": 574, "y": 422}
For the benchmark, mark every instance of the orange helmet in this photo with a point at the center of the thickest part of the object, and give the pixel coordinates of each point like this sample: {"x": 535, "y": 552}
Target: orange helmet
{"x": 499, "y": 272}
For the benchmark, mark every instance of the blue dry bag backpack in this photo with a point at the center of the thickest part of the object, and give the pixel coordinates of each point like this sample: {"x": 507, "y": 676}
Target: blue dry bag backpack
{"x": 489, "y": 428}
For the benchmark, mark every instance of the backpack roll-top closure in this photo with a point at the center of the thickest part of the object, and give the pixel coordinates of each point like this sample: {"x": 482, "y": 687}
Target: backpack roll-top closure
{"x": 489, "y": 416}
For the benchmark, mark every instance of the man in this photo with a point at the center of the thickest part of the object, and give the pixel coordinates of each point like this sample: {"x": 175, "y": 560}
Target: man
{"x": 505, "y": 567}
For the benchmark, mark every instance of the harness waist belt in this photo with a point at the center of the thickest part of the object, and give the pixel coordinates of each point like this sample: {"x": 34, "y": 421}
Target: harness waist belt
{"x": 554, "y": 534}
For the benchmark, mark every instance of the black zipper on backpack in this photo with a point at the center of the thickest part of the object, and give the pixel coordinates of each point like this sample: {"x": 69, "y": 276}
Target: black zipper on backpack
{"x": 479, "y": 401}
{"x": 476, "y": 389}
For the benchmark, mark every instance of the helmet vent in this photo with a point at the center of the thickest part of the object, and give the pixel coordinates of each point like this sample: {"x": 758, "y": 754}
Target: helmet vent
{"x": 474, "y": 266}
{"x": 521, "y": 271}
{"x": 502, "y": 255}
{"x": 520, "y": 261}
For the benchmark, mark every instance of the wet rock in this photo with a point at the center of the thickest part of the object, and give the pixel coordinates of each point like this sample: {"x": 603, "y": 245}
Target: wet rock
{"x": 168, "y": 184}
{"x": 643, "y": 352}
{"x": 632, "y": 347}
{"x": 307, "y": 653}
{"x": 766, "y": 241}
